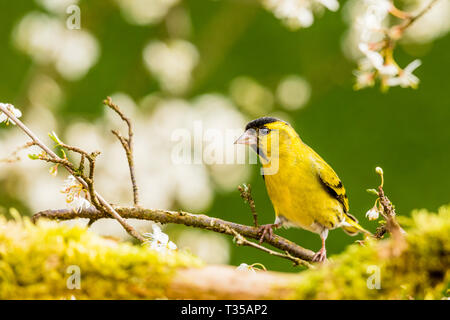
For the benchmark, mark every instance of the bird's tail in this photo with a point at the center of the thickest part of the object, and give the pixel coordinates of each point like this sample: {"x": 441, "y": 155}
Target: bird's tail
{"x": 352, "y": 227}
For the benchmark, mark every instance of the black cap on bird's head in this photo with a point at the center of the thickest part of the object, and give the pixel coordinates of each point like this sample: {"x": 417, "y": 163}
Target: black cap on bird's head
{"x": 260, "y": 122}
{"x": 258, "y": 128}
{"x": 255, "y": 128}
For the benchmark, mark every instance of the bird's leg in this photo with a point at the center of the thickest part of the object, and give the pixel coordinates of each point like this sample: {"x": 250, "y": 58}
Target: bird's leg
{"x": 267, "y": 229}
{"x": 321, "y": 255}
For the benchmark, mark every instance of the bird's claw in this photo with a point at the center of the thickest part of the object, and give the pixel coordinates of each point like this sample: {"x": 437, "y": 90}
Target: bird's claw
{"x": 266, "y": 229}
{"x": 320, "y": 256}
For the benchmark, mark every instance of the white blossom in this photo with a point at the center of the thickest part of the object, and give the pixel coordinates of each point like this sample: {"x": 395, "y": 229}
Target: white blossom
{"x": 75, "y": 194}
{"x": 373, "y": 213}
{"x": 298, "y": 13}
{"x": 432, "y": 25}
{"x": 373, "y": 31}
{"x": 364, "y": 79}
{"x": 144, "y": 12}
{"x": 158, "y": 240}
{"x": 332, "y": 5}
{"x": 78, "y": 204}
{"x": 377, "y": 61}
{"x": 379, "y": 170}
{"x": 245, "y": 267}
{"x": 16, "y": 112}
{"x": 370, "y": 22}
{"x": 406, "y": 78}
{"x": 380, "y": 8}
{"x": 171, "y": 63}
{"x": 47, "y": 41}
{"x": 57, "y": 6}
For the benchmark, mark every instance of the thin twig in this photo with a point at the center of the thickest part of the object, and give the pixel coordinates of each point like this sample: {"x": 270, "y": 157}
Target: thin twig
{"x": 127, "y": 144}
{"x": 246, "y": 194}
{"x": 180, "y": 217}
{"x": 242, "y": 241}
{"x": 71, "y": 170}
{"x": 13, "y": 157}
{"x": 81, "y": 166}
{"x": 91, "y": 157}
{"x": 409, "y": 21}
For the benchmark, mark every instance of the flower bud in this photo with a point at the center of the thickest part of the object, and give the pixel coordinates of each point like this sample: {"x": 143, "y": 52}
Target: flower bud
{"x": 379, "y": 171}
{"x": 373, "y": 214}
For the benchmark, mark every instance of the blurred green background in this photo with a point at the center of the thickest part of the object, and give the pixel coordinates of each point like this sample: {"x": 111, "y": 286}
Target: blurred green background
{"x": 404, "y": 131}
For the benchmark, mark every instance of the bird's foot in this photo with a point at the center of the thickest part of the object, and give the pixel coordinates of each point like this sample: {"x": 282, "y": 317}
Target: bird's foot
{"x": 320, "y": 255}
{"x": 267, "y": 230}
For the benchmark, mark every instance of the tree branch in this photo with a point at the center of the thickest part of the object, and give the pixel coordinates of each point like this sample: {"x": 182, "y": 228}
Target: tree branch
{"x": 389, "y": 213}
{"x": 127, "y": 144}
{"x": 420, "y": 271}
{"x": 188, "y": 219}
{"x": 91, "y": 157}
{"x": 246, "y": 194}
{"x": 241, "y": 241}
{"x": 13, "y": 157}
{"x": 71, "y": 170}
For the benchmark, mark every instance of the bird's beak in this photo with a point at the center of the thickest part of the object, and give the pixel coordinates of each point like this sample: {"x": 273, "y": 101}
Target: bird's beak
{"x": 248, "y": 138}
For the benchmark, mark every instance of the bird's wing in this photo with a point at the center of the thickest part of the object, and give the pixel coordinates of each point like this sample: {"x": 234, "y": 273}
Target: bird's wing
{"x": 331, "y": 181}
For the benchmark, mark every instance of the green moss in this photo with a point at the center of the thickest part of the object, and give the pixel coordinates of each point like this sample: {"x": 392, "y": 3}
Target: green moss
{"x": 418, "y": 268}
{"x": 34, "y": 261}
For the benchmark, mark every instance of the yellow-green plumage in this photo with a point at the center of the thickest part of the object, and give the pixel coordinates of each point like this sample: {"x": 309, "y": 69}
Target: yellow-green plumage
{"x": 304, "y": 189}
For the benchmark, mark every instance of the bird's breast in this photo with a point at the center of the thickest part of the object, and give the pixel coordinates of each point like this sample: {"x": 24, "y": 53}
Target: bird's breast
{"x": 298, "y": 195}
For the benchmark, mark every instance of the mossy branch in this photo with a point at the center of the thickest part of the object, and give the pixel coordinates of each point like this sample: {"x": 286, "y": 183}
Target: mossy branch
{"x": 111, "y": 270}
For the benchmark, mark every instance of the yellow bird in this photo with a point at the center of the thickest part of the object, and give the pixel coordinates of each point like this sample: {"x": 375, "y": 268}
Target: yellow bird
{"x": 304, "y": 190}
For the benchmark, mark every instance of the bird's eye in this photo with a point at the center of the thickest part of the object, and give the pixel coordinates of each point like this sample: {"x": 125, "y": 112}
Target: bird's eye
{"x": 264, "y": 131}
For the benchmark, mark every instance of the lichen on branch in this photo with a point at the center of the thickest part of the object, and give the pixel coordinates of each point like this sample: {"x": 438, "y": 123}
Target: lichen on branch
{"x": 34, "y": 259}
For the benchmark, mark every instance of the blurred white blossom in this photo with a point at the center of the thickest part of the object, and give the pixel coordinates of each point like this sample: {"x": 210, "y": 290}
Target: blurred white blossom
{"x": 293, "y": 92}
{"x": 298, "y": 13}
{"x": 45, "y": 92}
{"x": 375, "y": 64}
{"x": 376, "y": 24}
{"x": 332, "y": 5}
{"x": 57, "y": 6}
{"x": 251, "y": 96}
{"x": 158, "y": 240}
{"x": 432, "y": 25}
{"x": 4, "y": 118}
{"x": 406, "y": 78}
{"x": 373, "y": 213}
{"x": 246, "y": 268}
{"x": 48, "y": 41}
{"x": 370, "y": 23}
{"x": 26, "y": 177}
{"x": 364, "y": 78}
{"x": 251, "y": 268}
{"x": 163, "y": 183}
{"x": 143, "y": 12}
{"x": 171, "y": 63}
{"x": 377, "y": 61}
{"x": 213, "y": 248}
